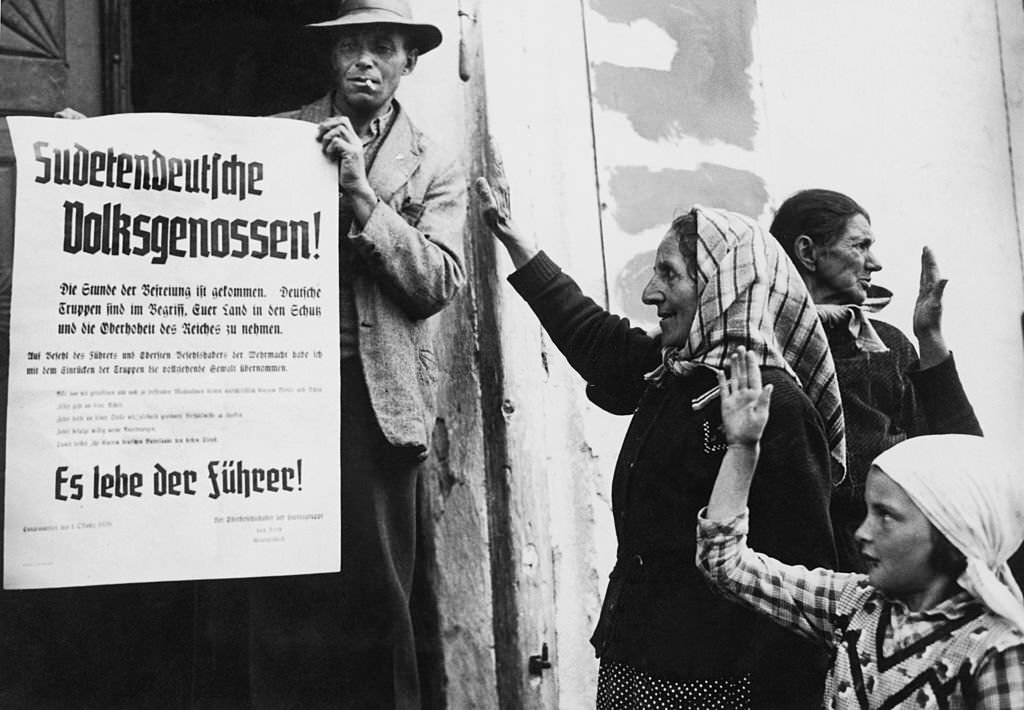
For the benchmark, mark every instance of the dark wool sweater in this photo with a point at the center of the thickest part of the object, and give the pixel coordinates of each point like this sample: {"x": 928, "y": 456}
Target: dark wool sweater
{"x": 887, "y": 398}
{"x": 659, "y": 614}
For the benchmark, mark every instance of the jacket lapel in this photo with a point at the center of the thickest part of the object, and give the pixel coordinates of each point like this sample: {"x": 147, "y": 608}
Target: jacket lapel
{"x": 399, "y": 154}
{"x": 397, "y": 159}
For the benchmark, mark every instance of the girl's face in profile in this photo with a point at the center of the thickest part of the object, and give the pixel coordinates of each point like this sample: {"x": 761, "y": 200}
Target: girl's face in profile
{"x": 896, "y": 541}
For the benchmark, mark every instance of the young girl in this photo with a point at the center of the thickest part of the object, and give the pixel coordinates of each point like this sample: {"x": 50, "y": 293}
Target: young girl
{"x": 937, "y": 621}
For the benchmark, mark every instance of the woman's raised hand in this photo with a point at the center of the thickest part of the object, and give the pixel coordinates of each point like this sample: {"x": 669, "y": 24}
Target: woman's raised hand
{"x": 744, "y": 401}
{"x": 928, "y": 309}
{"x": 928, "y": 312}
{"x": 496, "y": 216}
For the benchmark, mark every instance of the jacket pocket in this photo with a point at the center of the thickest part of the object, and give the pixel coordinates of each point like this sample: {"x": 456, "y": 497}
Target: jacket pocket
{"x": 411, "y": 211}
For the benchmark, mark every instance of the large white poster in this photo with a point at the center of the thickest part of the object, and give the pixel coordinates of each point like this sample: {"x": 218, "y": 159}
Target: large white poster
{"x": 173, "y": 407}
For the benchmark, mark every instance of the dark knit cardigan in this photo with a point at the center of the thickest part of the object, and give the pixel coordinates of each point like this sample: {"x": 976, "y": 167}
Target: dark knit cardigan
{"x": 887, "y": 398}
{"x": 659, "y": 614}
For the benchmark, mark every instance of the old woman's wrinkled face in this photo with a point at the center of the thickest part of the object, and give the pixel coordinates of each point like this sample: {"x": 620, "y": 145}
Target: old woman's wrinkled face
{"x": 673, "y": 291}
{"x": 843, "y": 267}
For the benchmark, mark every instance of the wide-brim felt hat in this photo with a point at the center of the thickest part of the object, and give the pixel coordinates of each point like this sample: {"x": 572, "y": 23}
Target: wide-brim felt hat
{"x": 423, "y": 37}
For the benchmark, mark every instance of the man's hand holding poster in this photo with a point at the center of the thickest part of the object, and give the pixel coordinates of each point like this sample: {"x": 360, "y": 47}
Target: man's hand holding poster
{"x": 174, "y": 385}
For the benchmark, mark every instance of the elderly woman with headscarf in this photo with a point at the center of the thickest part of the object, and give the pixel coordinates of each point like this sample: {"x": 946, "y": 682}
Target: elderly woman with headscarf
{"x": 663, "y": 637}
{"x": 937, "y": 621}
{"x": 889, "y": 393}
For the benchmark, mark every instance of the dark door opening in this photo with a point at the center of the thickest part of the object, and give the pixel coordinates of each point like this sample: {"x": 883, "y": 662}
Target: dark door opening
{"x": 236, "y": 57}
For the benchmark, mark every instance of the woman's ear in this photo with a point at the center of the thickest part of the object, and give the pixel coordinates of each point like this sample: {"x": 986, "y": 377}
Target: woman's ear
{"x": 805, "y": 253}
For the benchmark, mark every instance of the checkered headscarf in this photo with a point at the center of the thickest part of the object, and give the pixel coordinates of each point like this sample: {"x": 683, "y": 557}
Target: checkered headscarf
{"x": 750, "y": 294}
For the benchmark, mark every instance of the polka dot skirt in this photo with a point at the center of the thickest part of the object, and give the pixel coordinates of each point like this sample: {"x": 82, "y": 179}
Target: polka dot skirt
{"x": 623, "y": 687}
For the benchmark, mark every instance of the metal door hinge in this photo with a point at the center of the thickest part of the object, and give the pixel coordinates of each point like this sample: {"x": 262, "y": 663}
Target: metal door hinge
{"x": 538, "y": 664}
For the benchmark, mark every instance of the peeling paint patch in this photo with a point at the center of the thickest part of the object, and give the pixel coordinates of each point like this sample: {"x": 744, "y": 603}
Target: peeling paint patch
{"x": 645, "y": 199}
{"x": 706, "y": 93}
{"x": 636, "y": 44}
{"x": 447, "y": 479}
{"x": 648, "y": 199}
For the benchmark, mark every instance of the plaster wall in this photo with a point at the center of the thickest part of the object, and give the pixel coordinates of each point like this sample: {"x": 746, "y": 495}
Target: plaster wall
{"x": 538, "y": 122}
{"x": 538, "y": 111}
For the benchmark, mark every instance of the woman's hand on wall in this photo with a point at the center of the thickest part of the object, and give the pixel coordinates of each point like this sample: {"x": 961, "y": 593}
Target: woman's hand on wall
{"x": 496, "y": 216}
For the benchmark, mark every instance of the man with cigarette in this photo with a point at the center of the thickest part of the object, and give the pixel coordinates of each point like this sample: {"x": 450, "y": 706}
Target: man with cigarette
{"x": 346, "y": 640}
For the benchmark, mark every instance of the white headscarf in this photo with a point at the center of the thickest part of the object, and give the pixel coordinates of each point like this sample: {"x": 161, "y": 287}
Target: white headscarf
{"x": 968, "y": 488}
